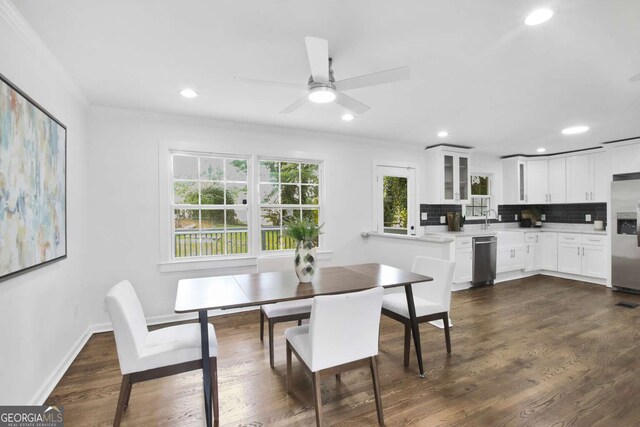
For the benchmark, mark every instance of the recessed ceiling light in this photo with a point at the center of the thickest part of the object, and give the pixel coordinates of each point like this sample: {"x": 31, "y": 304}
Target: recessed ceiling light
{"x": 541, "y": 150}
{"x": 635, "y": 78}
{"x": 538, "y": 16}
{"x": 188, "y": 93}
{"x": 443, "y": 134}
{"x": 574, "y": 130}
{"x": 347, "y": 117}
{"x": 321, "y": 95}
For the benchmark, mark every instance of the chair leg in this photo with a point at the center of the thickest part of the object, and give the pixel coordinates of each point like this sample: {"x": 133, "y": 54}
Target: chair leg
{"x": 214, "y": 388}
{"x": 447, "y": 336}
{"x": 271, "y": 343}
{"x": 376, "y": 389}
{"x": 128, "y": 395}
{"x": 261, "y": 325}
{"x": 299, "y": 322}
{"x": 288, "y": 381}
{"x": 317, "y": 397}
{"x": 407, "y": 344}
{"x": 338, "y": 377}
{"x": 124, "y": 386}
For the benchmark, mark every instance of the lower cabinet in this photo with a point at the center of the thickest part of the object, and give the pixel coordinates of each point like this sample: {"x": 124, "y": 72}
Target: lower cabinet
{"x": 510, "y": 258}
{"x": 584, "y": 255}
{"x": 463, "y": 269}
{"x": 532, "y": 252}
{"x": 548, "y": 249}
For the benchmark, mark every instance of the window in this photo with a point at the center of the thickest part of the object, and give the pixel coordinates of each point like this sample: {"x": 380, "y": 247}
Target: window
{"x": 395, "y": 200}
{"x": 288, "y": 189}
{"x": 480, "y": 196}
{"x": 210, "y": 205}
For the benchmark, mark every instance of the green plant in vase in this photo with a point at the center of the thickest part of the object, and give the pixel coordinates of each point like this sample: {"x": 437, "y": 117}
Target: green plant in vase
{"x": 304, "y": 232}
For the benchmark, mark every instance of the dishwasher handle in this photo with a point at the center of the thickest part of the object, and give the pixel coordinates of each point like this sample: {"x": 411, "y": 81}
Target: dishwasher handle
{"x": 486, "y": 242}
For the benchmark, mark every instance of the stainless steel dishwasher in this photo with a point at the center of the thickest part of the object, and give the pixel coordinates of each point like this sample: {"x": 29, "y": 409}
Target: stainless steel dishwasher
{"x": 484, "y": 260}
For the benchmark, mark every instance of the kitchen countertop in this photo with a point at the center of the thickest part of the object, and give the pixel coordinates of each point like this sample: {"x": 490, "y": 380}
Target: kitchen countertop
{"x": 466, "y": 233}
{"x": 562, "y": 230}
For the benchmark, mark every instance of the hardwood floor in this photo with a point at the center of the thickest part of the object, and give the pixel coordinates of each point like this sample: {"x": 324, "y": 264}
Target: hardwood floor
{"x": 539, "y": 351}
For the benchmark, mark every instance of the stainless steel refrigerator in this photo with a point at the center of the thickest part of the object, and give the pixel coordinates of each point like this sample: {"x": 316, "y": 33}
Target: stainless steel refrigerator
{"x": 625, "y": 247}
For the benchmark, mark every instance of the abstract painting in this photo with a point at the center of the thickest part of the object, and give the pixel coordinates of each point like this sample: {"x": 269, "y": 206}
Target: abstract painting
{"x": 33, "y": 228}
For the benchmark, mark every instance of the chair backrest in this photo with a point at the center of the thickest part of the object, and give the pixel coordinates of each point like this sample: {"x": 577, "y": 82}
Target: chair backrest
{"x": 344, "y": 328}
{"x": 129, "y": 324}
{"x": 439, "y": 290}
{"x": 275, "y": 263}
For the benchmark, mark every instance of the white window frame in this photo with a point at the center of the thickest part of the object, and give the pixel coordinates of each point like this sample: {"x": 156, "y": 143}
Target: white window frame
{"x": 489, "y": 197}
{"x": 399, "y": 169}
{"x": 259, "y": 205}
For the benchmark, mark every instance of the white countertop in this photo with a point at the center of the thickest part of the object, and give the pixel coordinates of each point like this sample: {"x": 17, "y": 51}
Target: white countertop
{"x": 562, "y": 230}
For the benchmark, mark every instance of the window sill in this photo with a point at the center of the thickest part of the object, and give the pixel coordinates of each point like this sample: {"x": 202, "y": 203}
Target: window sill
{"x": 431, "y": 239}
{"x": 229, "y": 262}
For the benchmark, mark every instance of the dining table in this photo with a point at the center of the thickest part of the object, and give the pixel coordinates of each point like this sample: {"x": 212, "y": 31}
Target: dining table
{"x": 247, "y": 290}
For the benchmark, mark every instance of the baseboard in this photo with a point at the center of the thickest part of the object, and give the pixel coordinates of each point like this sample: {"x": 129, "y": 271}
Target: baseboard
{"x": 52, "y": 381}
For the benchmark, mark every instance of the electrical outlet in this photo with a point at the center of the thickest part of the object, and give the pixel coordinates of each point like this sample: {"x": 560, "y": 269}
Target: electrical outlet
{"x": 443, "y": 219}
{"x": 587, "y": 218}
{"x": 543, "y": 217}
{"x": 516, "y": 217}
{"x": 423, "y": 216}
{"x": 499, "y": 218}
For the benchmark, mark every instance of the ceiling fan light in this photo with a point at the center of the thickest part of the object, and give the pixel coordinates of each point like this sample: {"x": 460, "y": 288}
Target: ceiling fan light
{"x": 322, "y": 95}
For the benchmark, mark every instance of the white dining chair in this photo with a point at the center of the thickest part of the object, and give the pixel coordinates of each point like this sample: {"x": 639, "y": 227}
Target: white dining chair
{"x": 286, "y": 311}
{"x": 146, "y": 355}
{"x": 432, "y": 299}
{"x": 342, "y": 334}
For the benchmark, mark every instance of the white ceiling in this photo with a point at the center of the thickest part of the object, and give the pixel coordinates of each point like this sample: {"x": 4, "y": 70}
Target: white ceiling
{"x": 477, "y": 71}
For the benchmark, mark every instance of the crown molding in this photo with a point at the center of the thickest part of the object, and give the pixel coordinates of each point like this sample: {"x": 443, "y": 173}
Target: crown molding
{"x": 12, "y": 16}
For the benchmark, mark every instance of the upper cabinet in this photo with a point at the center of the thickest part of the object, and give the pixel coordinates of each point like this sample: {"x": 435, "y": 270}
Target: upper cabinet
{"x": 514, "y": 169}
{"x": 587, "y": 178}
{"x": 448, "y": 174}
{"x": 546, "y": 181}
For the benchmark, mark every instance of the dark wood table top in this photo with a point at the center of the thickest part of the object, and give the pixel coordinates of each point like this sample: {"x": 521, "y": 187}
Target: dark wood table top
{"x": 247, "y": 290}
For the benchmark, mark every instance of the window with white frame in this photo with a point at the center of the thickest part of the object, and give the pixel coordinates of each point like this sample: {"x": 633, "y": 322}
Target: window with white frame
{"x": 480, "y": 200}
{"x": 288, "y": 189}
{"x": 210, "y": 205}
{"x": 395, "y": 200}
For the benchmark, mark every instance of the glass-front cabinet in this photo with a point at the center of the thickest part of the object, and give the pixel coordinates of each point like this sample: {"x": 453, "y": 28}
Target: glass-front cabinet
{"x": 456, "y": 178}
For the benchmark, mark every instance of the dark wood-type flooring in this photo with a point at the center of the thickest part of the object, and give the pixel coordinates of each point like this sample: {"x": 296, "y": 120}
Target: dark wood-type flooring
{"x": 539, "y": 351}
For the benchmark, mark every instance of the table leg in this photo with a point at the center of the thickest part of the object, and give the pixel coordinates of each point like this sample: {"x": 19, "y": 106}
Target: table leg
{"x": 206, "y": 366}
{"x": 414, "y": 327}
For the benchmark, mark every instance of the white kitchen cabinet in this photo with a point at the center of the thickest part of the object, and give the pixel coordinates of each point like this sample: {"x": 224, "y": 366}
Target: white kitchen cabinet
{"x": 532, "y": 252}
{"x": 448, "y": 174}
{"x": 537, "y": 181}
{"x": 510, "y": 258}
{"x": 569, "y": 258}
{"x": 587, "y": 178}
{"x": 463, "y": 269}
{"x": 548, "y": 246}
{"x": 594, "y": 261}
{"x": 514, "y": 172}
{"x": 557, "y": 180}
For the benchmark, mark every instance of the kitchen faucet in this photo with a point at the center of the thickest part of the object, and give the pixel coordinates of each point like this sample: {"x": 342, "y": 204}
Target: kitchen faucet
{"x": 486, "y": 218}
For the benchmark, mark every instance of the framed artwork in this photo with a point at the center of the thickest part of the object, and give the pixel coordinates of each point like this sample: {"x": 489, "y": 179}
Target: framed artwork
{"x": 33, "y": 181}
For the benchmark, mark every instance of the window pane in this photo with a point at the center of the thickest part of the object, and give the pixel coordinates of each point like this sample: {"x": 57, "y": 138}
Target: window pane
{"x": 236, "y": 219}
{"x": 212, "y": 193}
{"x": 213, "y": 243}
{"x": 311, "y": 215}
{"x": 395, "y": 214}
{"x": 213, "y": 220}
{"x": 310, "y": 173}
{"x": 480, "y": 185}
{"x": 309, "y": 194}
{"x": 270, "y": 218}
{"x": 289, "y": 172}
{"x": 270, "y": 239}
{"x": 186, "y": 219}
{"x": 269, "y": 171}
{"x": 185, "y": 167}
{"x": 270, "y": 233}
{"x": 236, "y": 170}
{"x": 187, "y": 244}
{"x": 237, "y": 243}
{"x": 211, "y": 168}
{"x": 236, "y": 194}
{"x": 289, "y": 214}
{"x": 270, "y": 194}
{"x": 185, "y": 192}
{"x": 290, "y": 194}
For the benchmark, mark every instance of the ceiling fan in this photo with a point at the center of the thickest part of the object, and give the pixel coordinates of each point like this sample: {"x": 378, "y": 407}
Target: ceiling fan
{"x": 322, "y": 87}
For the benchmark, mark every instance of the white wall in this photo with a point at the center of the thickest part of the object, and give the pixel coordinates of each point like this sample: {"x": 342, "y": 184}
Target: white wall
{"x": 124, "y": 192}
{"x": 43, "y": 313}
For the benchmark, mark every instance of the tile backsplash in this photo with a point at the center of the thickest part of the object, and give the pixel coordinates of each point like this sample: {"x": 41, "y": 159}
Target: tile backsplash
{"x": 567, "y": 213}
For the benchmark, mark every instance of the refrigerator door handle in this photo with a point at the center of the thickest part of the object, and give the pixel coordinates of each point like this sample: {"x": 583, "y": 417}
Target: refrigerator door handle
{"x": 637, "y": 224}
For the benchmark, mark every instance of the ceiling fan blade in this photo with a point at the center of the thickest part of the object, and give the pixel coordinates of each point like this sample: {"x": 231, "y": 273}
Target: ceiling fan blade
{"x": 379, "y": 78}
{"x": 318, "y": 53}
{"x": 293, "y": 107}
{"x": 269, "y": 83}
{"x": 351, "y": 104}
